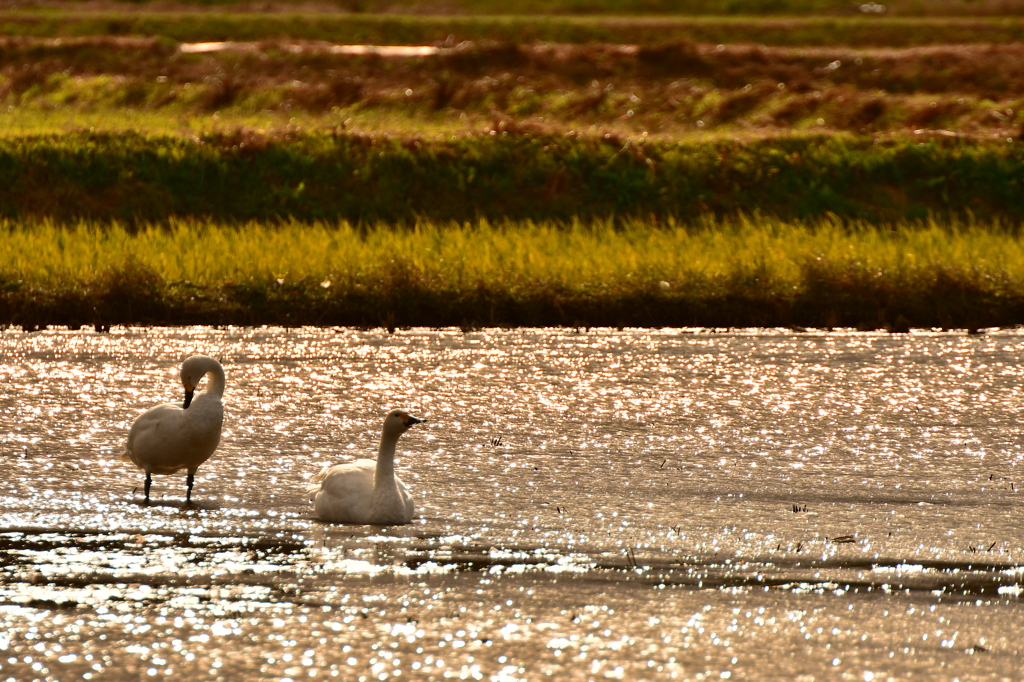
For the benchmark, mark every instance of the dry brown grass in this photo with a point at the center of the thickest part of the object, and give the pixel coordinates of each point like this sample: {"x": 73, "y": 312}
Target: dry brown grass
{"x": 666, "y": 89}
{"x": 976, "y": 69}
{"x": 898, "y": 8}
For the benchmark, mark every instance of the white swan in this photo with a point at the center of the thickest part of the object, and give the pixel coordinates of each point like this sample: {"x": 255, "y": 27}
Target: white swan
{"x": 169, "y": 437}
{"x": 367, "y": 491}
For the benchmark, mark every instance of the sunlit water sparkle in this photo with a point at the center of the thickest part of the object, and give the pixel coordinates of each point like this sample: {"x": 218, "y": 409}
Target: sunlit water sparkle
{"x": 637, "y": 504}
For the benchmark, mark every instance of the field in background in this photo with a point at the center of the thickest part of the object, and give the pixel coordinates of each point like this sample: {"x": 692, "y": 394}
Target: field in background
{"x": 673, "y": 91}
{"x": 386, "y": 29}
{"x": 378, "y": 178}
{"x": 899, "y": 8}
{"x": 662, "y": 166}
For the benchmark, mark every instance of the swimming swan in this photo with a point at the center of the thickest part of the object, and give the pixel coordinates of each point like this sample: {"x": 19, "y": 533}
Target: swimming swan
{"x": 367, "y": 491}
{"x": 169, "y": 437}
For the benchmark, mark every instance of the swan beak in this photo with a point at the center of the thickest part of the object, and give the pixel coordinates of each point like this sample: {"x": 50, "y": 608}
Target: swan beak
{"x": 411, "y": 420}
{"x": 188, "y": 398}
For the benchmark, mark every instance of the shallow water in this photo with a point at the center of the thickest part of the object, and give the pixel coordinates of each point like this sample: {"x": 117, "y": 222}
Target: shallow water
{"x": 671, "y": 504}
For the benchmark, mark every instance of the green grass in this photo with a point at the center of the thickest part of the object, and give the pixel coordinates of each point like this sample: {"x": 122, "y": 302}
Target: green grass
{"x": 240, "y": 177}
{"x": 510, "y": 187}
{"x": 386, "y": 29}
{"x": 748, "y": 271}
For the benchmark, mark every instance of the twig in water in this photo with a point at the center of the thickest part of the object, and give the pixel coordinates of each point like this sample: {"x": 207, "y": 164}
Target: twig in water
{"x": 844, "y": 540}
{"x": 991, "y": 546}
{"x": 495, "y": 442}
{"x": 663, "y": 465}
{"x": 799, "y": 508}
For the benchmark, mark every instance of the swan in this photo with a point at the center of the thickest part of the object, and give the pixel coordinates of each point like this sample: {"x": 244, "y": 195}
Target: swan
{"x": 168, "y": 437}
{"x": 367, "y": 491}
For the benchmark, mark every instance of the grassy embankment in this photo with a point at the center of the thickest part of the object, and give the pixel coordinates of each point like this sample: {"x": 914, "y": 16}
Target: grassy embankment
{"x": 734, "y": 273}
{"x": 618, "y": 158}
{"x": 675, "y": 91}
{"x": 596, "y": 272}
{"x": 371, "y": 179}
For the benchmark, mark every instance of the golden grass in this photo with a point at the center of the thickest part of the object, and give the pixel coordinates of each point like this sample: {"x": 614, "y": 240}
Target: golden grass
{"x": 749, "y": 271}
{"x": 778, "y": 257}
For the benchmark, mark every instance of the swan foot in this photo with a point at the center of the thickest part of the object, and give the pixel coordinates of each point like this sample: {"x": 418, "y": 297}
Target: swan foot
{"x": 190, "y": 480}
{"x": 149, "y": 482}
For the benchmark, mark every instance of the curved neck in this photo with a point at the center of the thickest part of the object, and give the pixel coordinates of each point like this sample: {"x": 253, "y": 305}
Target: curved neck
{"x": 216, "y": 374}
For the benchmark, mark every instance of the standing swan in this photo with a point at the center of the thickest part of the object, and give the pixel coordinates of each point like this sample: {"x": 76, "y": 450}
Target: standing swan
{"x": 168, "y": 438}
{"x": 367, "y": 491}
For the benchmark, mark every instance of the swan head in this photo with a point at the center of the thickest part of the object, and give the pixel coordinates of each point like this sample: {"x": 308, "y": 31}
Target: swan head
{"x": 192, "y": 371}
{"x": 399, "y": 421}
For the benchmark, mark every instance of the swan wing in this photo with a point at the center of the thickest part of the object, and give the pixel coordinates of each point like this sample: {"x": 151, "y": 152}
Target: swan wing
{"x": 154, "y": 436}
{"x": 410, "y": 506}
{"x": 344, "y": 492}
{"x": 166, "y": 438}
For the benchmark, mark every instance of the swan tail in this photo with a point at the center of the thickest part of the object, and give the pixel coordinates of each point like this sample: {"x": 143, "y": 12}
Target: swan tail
{"x": 315, "y": 483}
{"x": 320, "y": 476}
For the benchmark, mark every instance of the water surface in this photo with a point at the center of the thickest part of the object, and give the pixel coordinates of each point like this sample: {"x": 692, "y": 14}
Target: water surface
{"x": 637, "y": 504}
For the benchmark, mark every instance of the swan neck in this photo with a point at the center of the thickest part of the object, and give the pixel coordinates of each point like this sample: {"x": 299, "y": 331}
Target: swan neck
{"x": 385, "y": 472}
{"x": 217, "y": 380}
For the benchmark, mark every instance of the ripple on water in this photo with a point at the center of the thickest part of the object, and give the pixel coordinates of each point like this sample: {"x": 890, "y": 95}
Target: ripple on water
{"x": 634, "y": 504}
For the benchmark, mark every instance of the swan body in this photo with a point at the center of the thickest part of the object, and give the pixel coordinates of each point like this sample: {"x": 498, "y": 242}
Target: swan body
{"x": 171, "y": 437}
{"x": 367, "y": 491}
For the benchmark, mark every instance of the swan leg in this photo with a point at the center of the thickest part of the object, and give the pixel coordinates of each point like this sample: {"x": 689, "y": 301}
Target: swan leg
{"x": 149, "y": 482}
{"x": 191, "y": 479}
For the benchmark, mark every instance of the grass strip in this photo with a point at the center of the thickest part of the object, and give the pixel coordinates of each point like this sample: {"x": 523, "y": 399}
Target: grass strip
{"x": 747, "y": 271}
{"x": 582, "y": 7}
{"x": 367, "y": 179}
{"x": 387, "y": 29}
{"x": 669, "y": 91}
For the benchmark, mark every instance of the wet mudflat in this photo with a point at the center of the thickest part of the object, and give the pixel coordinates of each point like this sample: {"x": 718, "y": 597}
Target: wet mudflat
{"x": 637, "y": 504}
